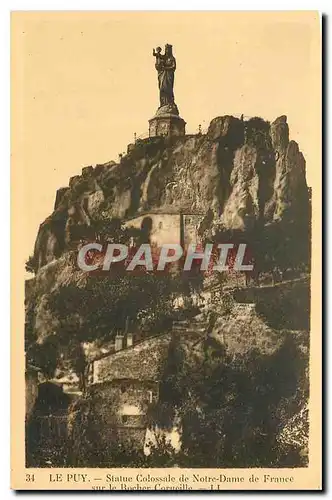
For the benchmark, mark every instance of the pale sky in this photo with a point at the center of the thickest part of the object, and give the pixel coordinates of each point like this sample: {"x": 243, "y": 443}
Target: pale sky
{"x": 83, "y": 83}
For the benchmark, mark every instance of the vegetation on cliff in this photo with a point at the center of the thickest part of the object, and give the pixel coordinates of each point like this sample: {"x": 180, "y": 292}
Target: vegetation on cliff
{"x": 234, "y": 389}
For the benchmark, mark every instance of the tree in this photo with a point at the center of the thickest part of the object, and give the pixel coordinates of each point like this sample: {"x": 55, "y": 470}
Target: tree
{"x": 110, "y": 301}
{"x": 45, "y": 356}
{"x": 106, "y": 305}
{"x": 232, "y": 407}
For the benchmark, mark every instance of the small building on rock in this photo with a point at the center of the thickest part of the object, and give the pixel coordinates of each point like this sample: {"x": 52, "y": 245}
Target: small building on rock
{"x": 124, "y": 386}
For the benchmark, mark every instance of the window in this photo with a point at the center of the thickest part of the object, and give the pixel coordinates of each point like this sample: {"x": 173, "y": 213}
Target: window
{"x": 124, "y": 419}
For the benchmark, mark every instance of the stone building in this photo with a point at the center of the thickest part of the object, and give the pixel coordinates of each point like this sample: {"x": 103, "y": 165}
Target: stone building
{"x": 124, "y": 385}
{"x": 168, "y": 227}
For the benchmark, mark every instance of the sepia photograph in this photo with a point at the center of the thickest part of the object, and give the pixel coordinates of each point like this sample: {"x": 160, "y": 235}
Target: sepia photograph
{"x": 167, "y": 170}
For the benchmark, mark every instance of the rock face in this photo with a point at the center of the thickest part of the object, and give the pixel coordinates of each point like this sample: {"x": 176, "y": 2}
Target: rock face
{"x": 240, "y": 176}
{"x": 243, "y": 171}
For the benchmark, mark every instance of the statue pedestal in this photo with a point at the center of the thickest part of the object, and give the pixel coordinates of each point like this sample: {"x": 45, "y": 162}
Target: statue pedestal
{"x": 167, "y": 123}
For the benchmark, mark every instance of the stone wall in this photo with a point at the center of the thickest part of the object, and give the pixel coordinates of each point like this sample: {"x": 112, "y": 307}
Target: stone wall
{"x": 121, "y": 407}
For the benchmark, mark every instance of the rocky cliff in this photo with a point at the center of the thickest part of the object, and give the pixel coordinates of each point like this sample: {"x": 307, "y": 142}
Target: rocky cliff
{"x": 248, "y": 375}
{"x": 244, "y": 171}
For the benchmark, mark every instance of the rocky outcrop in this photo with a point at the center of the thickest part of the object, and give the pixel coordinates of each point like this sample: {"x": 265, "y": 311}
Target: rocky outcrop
{"x": 242, "y": 175}
{"x": 244, "y": 171}
{"x": 49, "y": 278}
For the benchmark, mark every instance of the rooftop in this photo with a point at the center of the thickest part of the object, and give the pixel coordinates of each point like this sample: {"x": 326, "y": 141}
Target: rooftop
{"x": 143, "y": 361}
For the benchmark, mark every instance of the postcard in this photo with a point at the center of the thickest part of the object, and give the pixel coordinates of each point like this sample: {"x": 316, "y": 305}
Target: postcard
{"x": 166, "y": 251}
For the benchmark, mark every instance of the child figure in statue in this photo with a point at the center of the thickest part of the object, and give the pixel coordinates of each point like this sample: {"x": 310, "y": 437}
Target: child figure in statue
{"x": 159, "y": 57}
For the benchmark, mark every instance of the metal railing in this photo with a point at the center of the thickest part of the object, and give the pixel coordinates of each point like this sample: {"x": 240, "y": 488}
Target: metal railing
{"x": 201, "y": 129}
